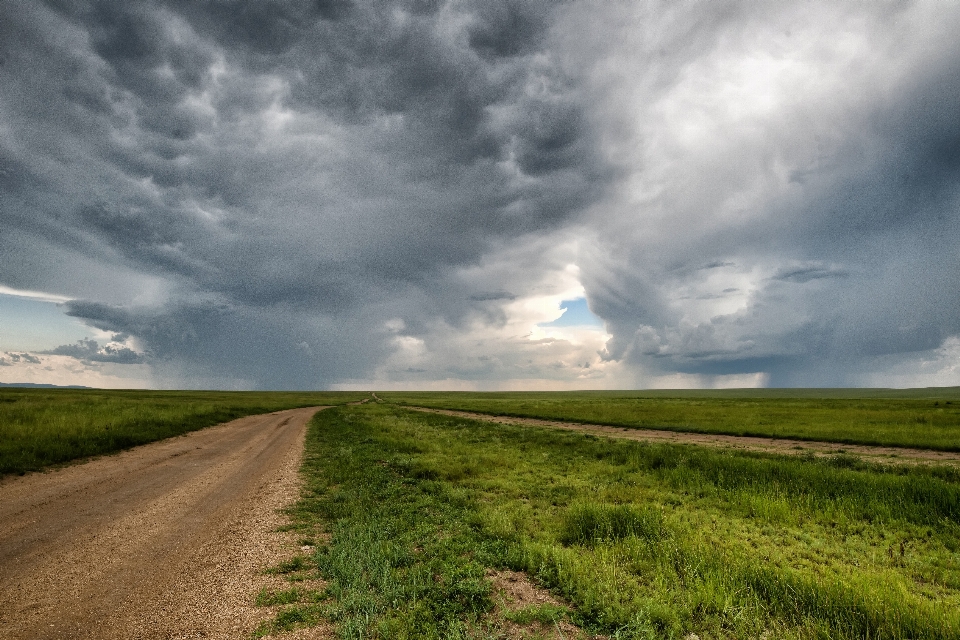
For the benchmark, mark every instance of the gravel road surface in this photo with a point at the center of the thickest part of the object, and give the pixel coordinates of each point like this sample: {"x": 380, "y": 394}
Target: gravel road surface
{"x": 167, "y": 540}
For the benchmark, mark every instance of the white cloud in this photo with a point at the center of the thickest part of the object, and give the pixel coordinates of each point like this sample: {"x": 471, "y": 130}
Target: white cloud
{"x": 935, "y": 368}
{"x": 33, "y": 295}
{"x": 18, "y": 367}
{"x": 772, "y": 184}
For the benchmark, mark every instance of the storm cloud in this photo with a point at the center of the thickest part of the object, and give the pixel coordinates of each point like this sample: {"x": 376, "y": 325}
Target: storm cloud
{"x": 296, "y": 194}
{"x": 793, "y": 196}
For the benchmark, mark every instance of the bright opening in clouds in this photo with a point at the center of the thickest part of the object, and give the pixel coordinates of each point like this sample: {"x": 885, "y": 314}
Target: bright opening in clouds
{"x": 479, "y": 195}
{"x": 31, "y": 324}
{"x": 575, "y": 313}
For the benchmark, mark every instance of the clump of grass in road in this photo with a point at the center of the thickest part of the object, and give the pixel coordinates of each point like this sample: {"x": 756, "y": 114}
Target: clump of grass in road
{"x": 924, "y": 418}
{"x": 644, "y": 541}
{"x": 268, "y": 598}
{"x": 296, "y": 606}
{"x": 42, "y": 427}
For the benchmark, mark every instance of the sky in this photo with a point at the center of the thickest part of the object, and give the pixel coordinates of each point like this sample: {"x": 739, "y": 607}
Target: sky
{"x": 431, "y": 194}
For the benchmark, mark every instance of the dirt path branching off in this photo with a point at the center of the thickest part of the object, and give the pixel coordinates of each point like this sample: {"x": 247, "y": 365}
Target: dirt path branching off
{"x": 886, "y": 455}
{"x": 167, "y": 540}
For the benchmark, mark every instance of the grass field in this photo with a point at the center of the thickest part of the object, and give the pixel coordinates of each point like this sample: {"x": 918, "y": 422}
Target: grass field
{"x": 41, "y": 427}
{"x": 409, "y": 511}
{"x": 925, "y": 418}
{"x": 642, "y": 540}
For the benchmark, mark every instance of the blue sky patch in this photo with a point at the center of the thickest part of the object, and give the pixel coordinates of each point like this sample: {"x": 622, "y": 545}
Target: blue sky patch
{"x": 36, "y": 325}
{"x": 576, "y": 313}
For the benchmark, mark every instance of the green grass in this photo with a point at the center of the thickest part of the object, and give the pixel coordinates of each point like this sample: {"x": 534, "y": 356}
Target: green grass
{"x": 404, "y": 561}
{"x": 924, "y": 418}
{"x": 642, "y": 540}
{"x": 544, "y": 614}
{"x": 43, "y": 427}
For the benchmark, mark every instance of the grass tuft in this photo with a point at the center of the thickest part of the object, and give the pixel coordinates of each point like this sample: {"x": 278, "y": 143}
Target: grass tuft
{"x": 592, "y": 523}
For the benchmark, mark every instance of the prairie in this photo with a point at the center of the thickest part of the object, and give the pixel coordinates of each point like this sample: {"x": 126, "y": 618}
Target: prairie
{"x": 43, "y": 427}
{"x": 405, "y": 516}
{"x": 922, "y": 418}
{"x": 410, "y": 511}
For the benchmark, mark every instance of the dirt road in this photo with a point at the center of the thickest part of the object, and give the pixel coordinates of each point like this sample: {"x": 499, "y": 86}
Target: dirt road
{"x": 167, "y": 540}
{"x": 886, "y": 455}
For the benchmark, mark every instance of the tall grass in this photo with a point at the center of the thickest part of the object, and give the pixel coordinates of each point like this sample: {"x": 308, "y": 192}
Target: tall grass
{"x": 592, "y": 523}
{"x": 926, "y": 418}
{"x": 41, "y": 427}
{"x": 645, "y": 541}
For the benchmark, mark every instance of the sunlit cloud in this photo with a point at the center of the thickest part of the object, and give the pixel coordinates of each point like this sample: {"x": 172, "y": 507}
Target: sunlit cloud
{"x": 33, "y": 295}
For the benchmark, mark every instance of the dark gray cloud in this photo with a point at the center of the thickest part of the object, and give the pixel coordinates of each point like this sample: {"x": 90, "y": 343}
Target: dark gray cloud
{"x": 492, "y": 295}
{"x": 291, "y": 194}
{"x": 12, "y": 358}
{"x": 807, "y": 273}
{"x": 283, "y": 159}
{"x": 87, "y": 350}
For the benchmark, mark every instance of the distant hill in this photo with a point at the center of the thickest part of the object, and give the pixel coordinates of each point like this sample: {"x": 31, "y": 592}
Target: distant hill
{"x": 34, "y": 385}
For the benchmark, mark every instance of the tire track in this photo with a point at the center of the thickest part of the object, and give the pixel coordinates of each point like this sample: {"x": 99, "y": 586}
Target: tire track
{"x": 783, "y": 446}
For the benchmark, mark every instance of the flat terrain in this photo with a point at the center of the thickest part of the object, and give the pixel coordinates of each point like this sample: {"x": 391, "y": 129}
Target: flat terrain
{"x": 161, "y": 541}
{"x": 454, "y": 522}
{"x": 44, "y": 427}
{"x": 414, "y": 511}
{"x": 783, "y": 446}
{"x": 913, "y": 418}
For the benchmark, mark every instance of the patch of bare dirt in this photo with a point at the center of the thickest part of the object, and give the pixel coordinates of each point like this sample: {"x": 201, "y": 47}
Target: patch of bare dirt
{"x": 514, "y": 592}
{"x": 165, "y": 541}
{"x": 885, "y": 455}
